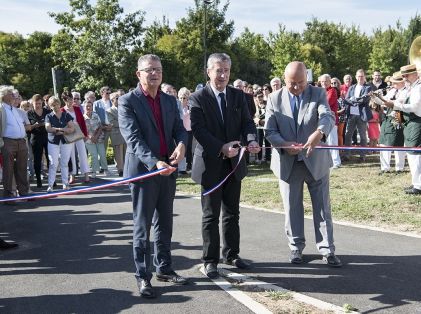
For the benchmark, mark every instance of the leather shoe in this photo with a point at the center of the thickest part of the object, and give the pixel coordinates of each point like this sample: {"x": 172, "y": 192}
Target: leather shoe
{"x": 296, "y": 257}
{"x": 238, "y": 262}
{"x": 172, "y": 277}
{"x": 211, "y": 270}
{"x": 145, "y": 288}
{"x": 5, "y": 245}
{"x": 413, "y": 191}
{"x": 332, "y": 260}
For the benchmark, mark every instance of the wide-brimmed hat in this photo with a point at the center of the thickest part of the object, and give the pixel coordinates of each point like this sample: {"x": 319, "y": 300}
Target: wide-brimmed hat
{"x": 396, "y": 77}
{"x": 408, "y": 69}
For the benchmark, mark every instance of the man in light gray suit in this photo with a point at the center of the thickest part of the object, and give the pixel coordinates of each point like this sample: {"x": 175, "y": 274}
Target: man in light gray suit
{"x": 298, "y": 117}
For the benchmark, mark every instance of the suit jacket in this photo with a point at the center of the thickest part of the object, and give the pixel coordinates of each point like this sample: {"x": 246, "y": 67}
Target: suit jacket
{"x": 280, "y": 127}
{"x": 140, "y": 131}
{"x": 212, "y": 133}
{"x": 363, "y": 104}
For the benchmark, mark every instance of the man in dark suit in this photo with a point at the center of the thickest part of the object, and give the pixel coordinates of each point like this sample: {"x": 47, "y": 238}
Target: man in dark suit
{"x": 219, "y": 119}
{"x": 358, "y": 112}
{"x": 151, "y": 126}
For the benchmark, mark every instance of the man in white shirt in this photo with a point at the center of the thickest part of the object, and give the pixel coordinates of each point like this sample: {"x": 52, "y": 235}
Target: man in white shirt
{"x": 13, "y": 129}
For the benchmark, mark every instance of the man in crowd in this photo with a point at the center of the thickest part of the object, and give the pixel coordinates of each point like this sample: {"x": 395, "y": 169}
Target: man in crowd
{"x": 100, "y": 108}
{"x": 276, "y": 84}
{"x": 220, "y": 119}
{"x": 13, "y": 127}
{"x": 410, "y": 104}
{"x": 151, "y": 126}
{"x": 358, "y": 112}
{"x": 299, "y": 113}
{"x": 377, "y": 82}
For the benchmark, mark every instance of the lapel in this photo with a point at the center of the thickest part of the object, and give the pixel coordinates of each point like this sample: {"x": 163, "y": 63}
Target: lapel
{"x": 144, "y": 107}
{"x": 305, "y": 102}
{"x": 286, "y": 108}
{"x": 213, "y": 104}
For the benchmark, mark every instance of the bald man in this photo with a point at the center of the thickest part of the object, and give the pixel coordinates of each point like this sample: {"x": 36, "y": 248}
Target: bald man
{"x": 299, "y": 114}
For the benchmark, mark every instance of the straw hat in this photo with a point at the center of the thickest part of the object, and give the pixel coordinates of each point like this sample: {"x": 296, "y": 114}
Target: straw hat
{"x": 408, "y": 69}
{"x": 396, "y": 77}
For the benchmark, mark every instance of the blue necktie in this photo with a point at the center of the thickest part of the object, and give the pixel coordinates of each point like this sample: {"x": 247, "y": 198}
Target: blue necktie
{"x": 296, "y": 109}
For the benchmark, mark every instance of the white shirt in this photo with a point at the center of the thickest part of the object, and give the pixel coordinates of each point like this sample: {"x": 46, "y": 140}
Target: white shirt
{"x": 414, "y": 105}
{"x": 218, "y": 99}
{"x": 15, "y": 122}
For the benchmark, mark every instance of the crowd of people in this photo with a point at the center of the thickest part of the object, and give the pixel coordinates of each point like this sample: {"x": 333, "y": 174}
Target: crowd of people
{"x": 201, "y": 133}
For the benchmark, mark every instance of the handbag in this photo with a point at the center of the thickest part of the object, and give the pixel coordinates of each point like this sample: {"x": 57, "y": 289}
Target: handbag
{"x": 75, "y": 136}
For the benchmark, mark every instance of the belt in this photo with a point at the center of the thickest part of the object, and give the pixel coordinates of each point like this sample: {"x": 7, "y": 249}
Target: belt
{"x": 14, "y": 139}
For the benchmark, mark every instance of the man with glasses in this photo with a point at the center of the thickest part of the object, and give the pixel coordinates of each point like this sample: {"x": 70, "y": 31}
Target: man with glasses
{"x": 299, "y": 114}
{"x": 410, "y": 104}
{"x": 151, "y": 126}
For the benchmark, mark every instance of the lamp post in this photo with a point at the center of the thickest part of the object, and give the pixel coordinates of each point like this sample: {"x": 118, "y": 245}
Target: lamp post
{"x": 205, "y": 6}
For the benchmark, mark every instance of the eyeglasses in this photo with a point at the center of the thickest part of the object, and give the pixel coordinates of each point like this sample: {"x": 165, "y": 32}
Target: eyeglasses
{"x": 265, "y": 88}
{"x": 151, "y": 70}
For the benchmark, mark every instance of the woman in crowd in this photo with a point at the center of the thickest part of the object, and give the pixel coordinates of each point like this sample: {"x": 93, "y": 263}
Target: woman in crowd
{"x": 79, "y": 146}
{"x": 267, "y": 89}
{"x": 336, "y": 83}
{"x": 183, "y": 96}
{"x": 117, "y": 140}
{"x": 95, "y": 141}
{"x": 39, "y": 137}
{"x": 58, "y": 123}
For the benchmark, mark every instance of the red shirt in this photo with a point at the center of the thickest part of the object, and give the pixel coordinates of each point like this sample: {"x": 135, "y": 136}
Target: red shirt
{"x": 155, "y": 105}
{"x": 332, "y": 99}
{"x": 344, "y": 90}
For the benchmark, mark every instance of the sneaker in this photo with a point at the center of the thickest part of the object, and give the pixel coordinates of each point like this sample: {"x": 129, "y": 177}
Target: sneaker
{"x": 107, "y": 173}
{"x": 93, "y": 174}
{"x": 332, "y": 260}
{"x": 71, "y": 179}
{"x": 66, "y": 187}
{"x": 296, "y": 257}
{"x": 50, "y": 189}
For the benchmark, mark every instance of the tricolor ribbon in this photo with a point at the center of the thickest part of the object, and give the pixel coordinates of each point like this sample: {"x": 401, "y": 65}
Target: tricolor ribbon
{"x": 85, "y": 189}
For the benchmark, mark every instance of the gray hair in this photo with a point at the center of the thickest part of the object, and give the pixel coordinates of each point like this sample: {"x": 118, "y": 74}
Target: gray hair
{"x": 4, "y": 90}
{"x": 218, "y": 57}
{"x": 147, "y": 57}
{"x": 275, "y": 79}
{"x": 238, "y": 82}
{"x": 325, "y": 76}
{"x": 74, "y": 94}
{"x": 88, "y": 94}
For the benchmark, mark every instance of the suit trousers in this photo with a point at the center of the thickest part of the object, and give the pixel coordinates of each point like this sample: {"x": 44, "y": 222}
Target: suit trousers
{"x": 15, "y": 162}
{"x": 354, "y": 122}
{"x": 292, "y": 197}
{"x": 229, "y": 197}
{"x": 152, "y": 196}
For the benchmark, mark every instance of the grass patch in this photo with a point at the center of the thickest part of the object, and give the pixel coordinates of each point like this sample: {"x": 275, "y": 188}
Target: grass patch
{"x": 358, "y": 194}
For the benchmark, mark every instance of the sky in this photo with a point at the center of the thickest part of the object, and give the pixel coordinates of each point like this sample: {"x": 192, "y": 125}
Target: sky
{"x": 27, "y": 16}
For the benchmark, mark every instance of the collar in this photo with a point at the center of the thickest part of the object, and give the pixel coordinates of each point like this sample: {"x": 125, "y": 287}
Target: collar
{"x": 217, "y": 92}
{"x": 147, "y": 95}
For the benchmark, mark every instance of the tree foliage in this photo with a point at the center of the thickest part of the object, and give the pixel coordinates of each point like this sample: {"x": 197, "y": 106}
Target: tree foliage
{"x": 95, "y": 43}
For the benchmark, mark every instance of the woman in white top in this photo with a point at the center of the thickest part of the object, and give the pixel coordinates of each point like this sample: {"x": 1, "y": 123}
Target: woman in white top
{"x": 58, "y": 123}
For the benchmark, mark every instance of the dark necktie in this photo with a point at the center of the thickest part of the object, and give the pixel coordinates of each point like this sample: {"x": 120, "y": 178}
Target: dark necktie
{"x": 223, "y": 106}
{"x": 296, "y": 109}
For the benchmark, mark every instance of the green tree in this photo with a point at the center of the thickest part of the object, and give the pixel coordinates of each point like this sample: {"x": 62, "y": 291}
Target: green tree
{"x": 96, "y": 43}
{"x": 389, "y": 50}
{"x": 252, "y": 54}
{"x": 10, "y": 63}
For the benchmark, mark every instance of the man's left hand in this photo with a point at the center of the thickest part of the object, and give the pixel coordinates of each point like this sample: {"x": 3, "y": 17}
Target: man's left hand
{"x": 253, "y": 147}
{"x": 313, "y": 140}
{"x": 178, "y": 154}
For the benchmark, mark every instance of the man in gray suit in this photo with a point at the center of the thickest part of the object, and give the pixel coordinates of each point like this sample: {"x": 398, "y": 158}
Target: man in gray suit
{"x": 299, "y": 114}
{"x": 151, "y": 126}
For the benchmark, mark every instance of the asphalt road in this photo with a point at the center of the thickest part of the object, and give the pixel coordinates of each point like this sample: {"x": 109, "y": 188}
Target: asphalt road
{"x": 75, "y": 256}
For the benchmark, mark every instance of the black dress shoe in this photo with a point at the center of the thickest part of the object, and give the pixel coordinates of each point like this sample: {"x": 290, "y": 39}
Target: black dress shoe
{"x": 238, "y": 262}
{"x": 172, "y": 277}
{"x": 332, "y": 260}
{"x": 413, "y": 191}
{"x": 5, "y": 245}
{"x": 296, "y": 257}
{"x": 211, "y": 270}
{"x": 145, "y": 288}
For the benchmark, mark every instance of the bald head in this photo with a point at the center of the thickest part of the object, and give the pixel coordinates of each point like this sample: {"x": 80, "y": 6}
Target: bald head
{"x": 296, "y": 77}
